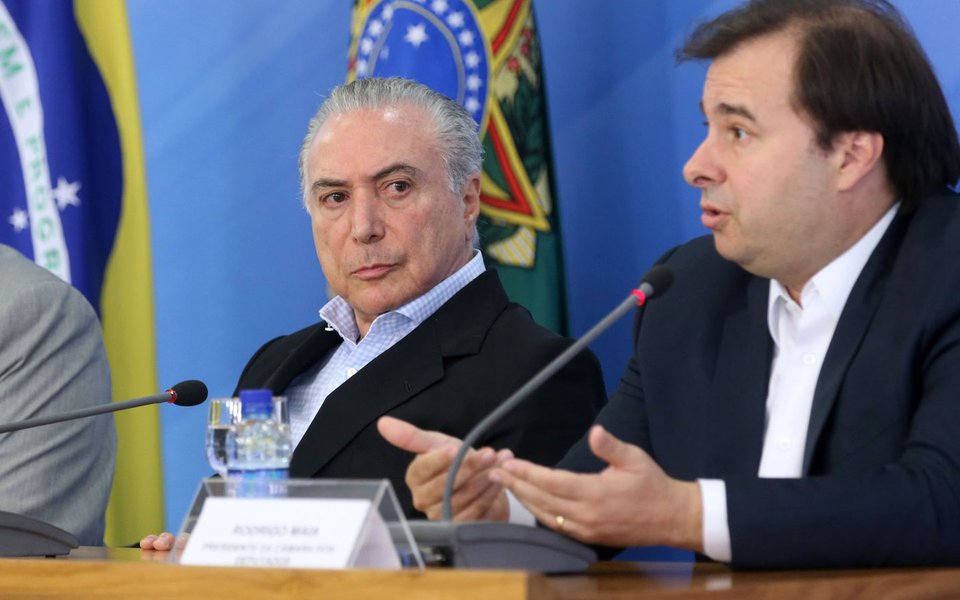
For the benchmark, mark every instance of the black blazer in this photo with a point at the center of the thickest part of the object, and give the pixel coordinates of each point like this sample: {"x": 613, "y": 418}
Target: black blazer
{"x": 882, "y": 460}
{"x": 446, "y": 375}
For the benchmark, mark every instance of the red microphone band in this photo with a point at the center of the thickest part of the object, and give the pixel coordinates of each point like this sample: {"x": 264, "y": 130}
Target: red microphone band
{"x": 641, "y": 297}
{"x": 173, "y": 394}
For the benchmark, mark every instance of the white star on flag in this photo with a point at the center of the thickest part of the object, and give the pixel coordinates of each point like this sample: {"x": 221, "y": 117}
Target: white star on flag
{"x": 472, "y": 59}
{"x": 472, "y": 104}
{"x": 388, "y": 12}
{"x": 66, "y": 193}
{"x": 19, "y": 219}
{"x": 455, "y": 20}
{"x": 376, "y": 27}
{"x": 366, "y": 45}
{"x": 361, "y": 68}
{"x": 439, "y": 6}
{"x": 473, "y": 83}
{"x": 466, "y": 38}
{"x": 416, "y": 35}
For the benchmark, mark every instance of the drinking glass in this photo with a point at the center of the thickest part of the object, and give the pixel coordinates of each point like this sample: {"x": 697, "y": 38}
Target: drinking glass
{"x": 223, "y": 414}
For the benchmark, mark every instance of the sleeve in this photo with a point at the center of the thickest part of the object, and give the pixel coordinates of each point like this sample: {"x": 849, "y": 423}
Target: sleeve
{"x": 548, "y": 422}
{"x": 52, "y": 360}
{"x": 624, "y": 416}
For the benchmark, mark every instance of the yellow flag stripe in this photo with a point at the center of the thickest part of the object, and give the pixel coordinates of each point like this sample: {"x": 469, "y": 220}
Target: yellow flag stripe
{"x": 136, "y": 503}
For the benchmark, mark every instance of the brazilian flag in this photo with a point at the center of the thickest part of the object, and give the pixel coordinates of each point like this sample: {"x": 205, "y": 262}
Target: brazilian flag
{"x": 484, "y": 54}
{"x": 73, "y": 198}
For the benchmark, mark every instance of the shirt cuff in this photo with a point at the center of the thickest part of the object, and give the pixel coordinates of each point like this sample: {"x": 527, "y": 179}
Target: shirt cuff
{"x": 519, "y": 515}
{"x": 716, "y": 528}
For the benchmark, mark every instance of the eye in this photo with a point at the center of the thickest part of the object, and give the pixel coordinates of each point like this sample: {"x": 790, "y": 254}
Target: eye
{"x": 739, "y": 133}
{"x": 332, "y": 199}
{"x": 398, "y": 186}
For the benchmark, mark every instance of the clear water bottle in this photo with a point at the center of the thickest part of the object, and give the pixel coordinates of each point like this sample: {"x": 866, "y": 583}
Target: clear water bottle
{"x": 258, "y": 448}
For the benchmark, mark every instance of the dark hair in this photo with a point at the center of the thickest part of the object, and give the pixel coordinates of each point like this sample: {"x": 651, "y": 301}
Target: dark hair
{"x": 859, "y": 68}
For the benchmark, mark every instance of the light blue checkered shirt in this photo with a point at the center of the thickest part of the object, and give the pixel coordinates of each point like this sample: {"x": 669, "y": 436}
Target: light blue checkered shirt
{"x": 306, "y": 392}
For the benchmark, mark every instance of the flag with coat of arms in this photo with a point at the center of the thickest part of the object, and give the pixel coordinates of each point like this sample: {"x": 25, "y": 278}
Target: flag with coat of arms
{"x": 484, "y": 54}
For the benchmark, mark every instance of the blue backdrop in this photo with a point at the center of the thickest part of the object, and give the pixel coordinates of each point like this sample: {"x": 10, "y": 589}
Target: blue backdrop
{"x": 226, "y": 89}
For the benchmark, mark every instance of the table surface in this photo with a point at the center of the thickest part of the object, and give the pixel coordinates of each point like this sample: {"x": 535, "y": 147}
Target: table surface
{"x": 132, "y": 573}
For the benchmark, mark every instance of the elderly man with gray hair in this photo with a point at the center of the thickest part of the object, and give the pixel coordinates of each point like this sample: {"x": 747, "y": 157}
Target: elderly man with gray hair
{"x": 419, "y": 329}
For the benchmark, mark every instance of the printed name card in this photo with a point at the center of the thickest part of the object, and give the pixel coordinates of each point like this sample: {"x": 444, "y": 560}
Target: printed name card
{"x": 306, "y": 533}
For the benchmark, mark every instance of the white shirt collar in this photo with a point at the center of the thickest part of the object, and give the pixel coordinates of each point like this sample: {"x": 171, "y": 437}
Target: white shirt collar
{"x": 833, "y": 283}
{"x": 340, "y": 316}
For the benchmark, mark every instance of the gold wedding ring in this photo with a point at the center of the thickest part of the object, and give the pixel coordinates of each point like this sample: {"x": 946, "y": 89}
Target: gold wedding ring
{"x": 560, "y": 522}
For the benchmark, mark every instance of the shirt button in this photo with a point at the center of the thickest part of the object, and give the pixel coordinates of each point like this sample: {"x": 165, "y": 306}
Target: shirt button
{"x": 784, "y": 443}
{"x": 351, "y": 371}
{"x": 809, "y": 359}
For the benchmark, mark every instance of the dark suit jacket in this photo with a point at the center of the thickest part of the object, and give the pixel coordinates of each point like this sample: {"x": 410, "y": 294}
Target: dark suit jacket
{"x": 446, "y": 375}
{"x": 882, "y": 461}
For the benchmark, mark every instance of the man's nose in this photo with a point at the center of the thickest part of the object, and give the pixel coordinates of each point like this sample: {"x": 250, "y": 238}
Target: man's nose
{"x": 367, "y": 218}
{"x": 703, "y": 168}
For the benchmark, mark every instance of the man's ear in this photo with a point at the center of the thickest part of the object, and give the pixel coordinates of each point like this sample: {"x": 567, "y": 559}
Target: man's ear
{"x": 470, "y": 196}
{"x": 860, "y": 154}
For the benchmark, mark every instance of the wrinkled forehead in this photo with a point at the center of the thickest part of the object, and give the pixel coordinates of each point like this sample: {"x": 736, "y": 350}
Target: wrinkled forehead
{"x": 358, "y": 144}
{"x": 380, "y": 125}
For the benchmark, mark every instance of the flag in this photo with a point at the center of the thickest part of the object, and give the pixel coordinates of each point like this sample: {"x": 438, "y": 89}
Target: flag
{"x": 484, "y": 54}
{"x": 73, "y": 198}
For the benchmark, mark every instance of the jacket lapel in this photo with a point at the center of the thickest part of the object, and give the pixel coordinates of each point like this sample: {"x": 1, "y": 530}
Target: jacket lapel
{"x": 313, "y": 349}
{"x": 857, "y": 314}
{"x": 413, "y": 364}
{"x": 739, "y": 393}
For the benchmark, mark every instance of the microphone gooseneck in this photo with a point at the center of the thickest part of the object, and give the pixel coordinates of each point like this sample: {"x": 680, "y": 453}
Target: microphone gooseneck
{"x": 185, "y": 393}
{"x": 654, "y": 283}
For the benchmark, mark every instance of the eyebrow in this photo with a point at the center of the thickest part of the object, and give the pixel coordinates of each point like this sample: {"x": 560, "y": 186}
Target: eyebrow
{"x": 396, "y": 168}
{"x": 732, "y": 110}
{"x": 382, "y": 173}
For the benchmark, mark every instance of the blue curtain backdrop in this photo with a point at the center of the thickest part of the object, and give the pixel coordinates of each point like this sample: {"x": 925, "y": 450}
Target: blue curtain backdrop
{"x": 226, "y": 89}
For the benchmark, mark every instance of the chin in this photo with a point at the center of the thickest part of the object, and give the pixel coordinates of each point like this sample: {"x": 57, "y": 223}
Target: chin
{"x": 733, "y": 253}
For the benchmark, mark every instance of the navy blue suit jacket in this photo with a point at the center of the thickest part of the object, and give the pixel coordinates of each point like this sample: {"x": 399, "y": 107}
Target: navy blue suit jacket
{"x": 881, "y": 481}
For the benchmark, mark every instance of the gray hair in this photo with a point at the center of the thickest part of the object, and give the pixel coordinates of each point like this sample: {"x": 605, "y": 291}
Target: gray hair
{"x": 456, "y": 131}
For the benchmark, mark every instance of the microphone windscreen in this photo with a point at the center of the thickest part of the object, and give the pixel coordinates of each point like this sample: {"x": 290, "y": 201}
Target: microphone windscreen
{"x": 658, "y": 280}
{"x": 189, "y": 393}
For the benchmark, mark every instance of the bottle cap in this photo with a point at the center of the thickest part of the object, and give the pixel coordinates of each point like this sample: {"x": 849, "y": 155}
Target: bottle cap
{"x": 256, "y": 403}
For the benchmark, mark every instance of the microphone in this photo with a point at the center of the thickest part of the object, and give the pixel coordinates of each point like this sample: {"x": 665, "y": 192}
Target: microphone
{"x": 504, "y": 545}
{"x": 185, "y": 393}
{"x": 21, "y": 535}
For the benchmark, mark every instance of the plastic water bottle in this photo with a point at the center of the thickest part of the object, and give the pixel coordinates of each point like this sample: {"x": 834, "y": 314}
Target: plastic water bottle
{"x": 258, "y": 448}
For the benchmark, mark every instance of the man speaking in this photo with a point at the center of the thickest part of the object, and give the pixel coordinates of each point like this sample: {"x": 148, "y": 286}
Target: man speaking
{"x": 794, "y": 401}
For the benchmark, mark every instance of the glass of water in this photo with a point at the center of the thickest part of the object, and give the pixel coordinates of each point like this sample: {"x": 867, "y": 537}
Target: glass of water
{"x": 223, "y": 414}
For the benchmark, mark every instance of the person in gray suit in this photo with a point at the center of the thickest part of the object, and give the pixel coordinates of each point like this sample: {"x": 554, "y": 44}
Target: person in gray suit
{"x": 52, "y": 361}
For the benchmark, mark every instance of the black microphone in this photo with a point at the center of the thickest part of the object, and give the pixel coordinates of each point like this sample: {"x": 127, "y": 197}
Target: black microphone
{"x": 21, "y": 535}
{"x": 503, "y": 545}
{"x": 185, "y": 393}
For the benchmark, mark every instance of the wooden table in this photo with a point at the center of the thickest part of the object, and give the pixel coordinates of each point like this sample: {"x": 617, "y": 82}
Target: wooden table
{"x": 132, "y": 574}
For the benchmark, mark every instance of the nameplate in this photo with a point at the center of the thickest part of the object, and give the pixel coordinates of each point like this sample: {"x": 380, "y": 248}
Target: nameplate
{"x": 305, "y": 533}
